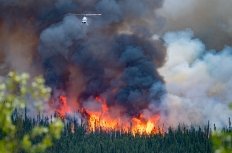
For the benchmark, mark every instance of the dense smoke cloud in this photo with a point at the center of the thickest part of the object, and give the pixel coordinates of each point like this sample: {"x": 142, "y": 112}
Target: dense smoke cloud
{"x": 130, "y": 57}
{"x": 117, "y": 55}
{"x": 211, "y": 20}
{"x": 198, "y": 82}
{"x": 115, "y": 62}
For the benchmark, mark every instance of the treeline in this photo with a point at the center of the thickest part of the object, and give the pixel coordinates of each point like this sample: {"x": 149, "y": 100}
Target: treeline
{"x": 178, "y": 141}
{"x": 75, "y": 139}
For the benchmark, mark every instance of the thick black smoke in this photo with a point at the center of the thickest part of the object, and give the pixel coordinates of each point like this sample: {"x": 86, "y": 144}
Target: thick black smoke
{"x": 135, "y": 56}
{"x": 114, "y": 56}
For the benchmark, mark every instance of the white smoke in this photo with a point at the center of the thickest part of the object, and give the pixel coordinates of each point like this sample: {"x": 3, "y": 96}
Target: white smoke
{"x": 199, "y": 82}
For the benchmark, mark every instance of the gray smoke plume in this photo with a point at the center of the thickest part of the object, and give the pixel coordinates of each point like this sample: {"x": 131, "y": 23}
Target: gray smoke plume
{"x": 210, "y": 20}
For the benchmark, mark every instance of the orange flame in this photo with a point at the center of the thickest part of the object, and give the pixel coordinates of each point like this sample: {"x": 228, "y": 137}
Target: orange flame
{"x": 104, "y": 119}
{"x": 63, "y": 109}
{"x": 142, "y": 126}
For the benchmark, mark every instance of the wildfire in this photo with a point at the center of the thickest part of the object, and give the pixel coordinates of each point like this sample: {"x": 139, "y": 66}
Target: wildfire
{"x": 103, "y": 119}
{"x": 63, "y": 107}
{"x": 142, "y": 126}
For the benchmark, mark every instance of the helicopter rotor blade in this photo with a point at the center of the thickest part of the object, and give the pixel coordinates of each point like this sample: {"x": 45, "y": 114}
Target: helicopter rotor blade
{"x": 88, "y": 14}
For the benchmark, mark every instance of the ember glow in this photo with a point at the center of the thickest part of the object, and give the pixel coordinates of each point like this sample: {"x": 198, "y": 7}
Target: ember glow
{"x": 103, "y": 119}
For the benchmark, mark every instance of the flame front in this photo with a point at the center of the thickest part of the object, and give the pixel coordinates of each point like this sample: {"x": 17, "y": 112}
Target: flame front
{"x": 142, "y": 126}
{"x": 105, "y": 120}
{"x": 63, "y": 109}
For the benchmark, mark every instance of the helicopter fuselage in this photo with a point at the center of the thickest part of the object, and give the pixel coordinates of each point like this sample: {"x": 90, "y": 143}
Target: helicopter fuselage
{"x": 84, "y": 20}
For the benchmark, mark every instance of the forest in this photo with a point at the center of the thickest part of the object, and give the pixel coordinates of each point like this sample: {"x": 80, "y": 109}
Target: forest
{"x": 75, "y": 138}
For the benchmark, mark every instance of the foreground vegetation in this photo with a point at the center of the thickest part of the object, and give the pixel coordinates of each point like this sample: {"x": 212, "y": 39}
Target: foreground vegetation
{"x": 15, "y": 136}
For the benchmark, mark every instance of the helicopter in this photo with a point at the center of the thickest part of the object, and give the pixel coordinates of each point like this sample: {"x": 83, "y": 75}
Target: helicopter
{"x": 85, "y": 19}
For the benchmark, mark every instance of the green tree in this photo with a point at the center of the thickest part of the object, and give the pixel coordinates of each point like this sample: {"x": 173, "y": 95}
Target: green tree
{"x": 222, "y": 140}
{"x": 15, "y": 91}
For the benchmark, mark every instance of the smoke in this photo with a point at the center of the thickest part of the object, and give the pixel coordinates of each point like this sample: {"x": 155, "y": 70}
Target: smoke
{"x": 17, "y": 53}
{"x": 138, "y": 72}
{"x": 120, "y": 57}
{"x": 114, "y": 58}
{"x": 210, "y": 19}
{"x": 198, "y": 81}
